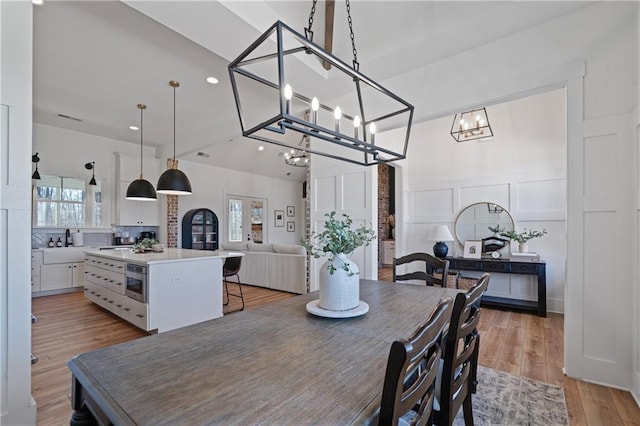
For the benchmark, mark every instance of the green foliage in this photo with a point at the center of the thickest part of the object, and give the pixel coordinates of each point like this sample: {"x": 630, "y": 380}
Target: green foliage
{"x": 145, "y": 243}
{"x": 496, "y": 229}
{"x": 337, "y": 238}
{"x": 524, "y": 236}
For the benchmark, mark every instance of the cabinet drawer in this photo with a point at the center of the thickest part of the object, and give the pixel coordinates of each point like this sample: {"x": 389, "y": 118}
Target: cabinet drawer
{"x": 136, "y": 313}
{"x": 465, "y": 264}
{"x": 523, "y": 268}
{"x": 495, "y": 267}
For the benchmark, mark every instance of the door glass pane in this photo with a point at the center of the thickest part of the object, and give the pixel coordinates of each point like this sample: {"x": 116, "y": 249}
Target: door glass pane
{"x": 235, "y": 220}
{"x": 256, "y": 221}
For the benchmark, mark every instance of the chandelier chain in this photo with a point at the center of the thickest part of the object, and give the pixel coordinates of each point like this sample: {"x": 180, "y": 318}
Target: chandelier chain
{"x": 351, "y": 35}
{"x": 313, "y": 12}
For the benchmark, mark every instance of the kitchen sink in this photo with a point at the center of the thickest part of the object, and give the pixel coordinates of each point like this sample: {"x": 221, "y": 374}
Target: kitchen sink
{"x": 63, "y": 255}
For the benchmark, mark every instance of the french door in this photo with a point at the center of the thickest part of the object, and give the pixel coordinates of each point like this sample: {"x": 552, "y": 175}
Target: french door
{"x": 246, "y": 221}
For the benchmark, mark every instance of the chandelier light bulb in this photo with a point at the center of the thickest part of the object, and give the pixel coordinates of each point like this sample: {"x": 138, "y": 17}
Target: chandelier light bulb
{"x": 288, "y": 92}
{"x": 315, "y": 106}
{"x": 356, "y": 124}
{"x": 372, "y": 130}
{"x": 337, "y": 114}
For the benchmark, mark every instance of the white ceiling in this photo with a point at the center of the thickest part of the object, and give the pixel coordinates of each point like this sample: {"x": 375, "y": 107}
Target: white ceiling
{"x": 96, "y": 60}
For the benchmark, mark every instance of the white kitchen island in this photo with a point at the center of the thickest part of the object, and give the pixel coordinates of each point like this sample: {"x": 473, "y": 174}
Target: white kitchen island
{"x": 183, "y": 286}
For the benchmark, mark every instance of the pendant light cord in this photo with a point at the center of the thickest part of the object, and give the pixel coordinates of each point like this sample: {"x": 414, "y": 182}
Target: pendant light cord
{"x": 174, "y": 124}
{"x": 141, "y": 136}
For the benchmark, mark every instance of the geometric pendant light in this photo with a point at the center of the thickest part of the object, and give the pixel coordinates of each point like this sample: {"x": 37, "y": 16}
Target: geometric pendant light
{"x": 471, "y": 125}
{"x": 141, "y": 189}
{"x": 174, "y": 181}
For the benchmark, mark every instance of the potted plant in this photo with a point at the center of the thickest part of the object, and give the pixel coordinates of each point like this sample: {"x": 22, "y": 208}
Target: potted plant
{"x": 144, "y": 245}
{"x": 523, "y": 237}
{"x": 339, "y": 280}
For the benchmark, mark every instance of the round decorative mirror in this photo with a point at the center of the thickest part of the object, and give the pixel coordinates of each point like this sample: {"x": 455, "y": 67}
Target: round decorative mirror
{"x": 474, "y": 221}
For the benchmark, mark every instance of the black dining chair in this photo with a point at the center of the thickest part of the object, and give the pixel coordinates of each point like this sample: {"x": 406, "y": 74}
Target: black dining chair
{"x": 457, "y": 374}
{"x": 230, "y": 268}
{"x": 427, "y": 268}
{"x": 409, "y": 384}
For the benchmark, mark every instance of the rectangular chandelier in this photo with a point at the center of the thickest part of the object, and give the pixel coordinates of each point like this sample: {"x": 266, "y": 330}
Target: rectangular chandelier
{"x": 271, "y": 83}
{"x": 471, "y": 125}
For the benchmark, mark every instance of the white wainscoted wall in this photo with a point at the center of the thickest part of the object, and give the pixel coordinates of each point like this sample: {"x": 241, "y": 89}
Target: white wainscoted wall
{"x": 522, "y": 168}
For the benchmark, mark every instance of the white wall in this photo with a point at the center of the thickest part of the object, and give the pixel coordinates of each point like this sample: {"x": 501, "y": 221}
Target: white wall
{"x": 522, "y": 168}
{"x": 211, "y": 184}
{"x": 16, "y": 405}
{"x": 64, "y": 153}
{"x": 594, "y": 52}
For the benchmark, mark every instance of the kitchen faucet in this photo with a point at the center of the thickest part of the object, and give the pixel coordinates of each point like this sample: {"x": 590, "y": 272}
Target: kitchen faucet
{"x": 67, "y": 237}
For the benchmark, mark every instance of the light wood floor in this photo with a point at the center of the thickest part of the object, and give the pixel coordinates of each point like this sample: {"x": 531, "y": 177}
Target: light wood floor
{"x": 517, "y": 343}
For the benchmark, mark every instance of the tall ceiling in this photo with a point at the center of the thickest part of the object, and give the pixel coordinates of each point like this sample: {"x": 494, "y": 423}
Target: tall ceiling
{"x": 95, "y": 61}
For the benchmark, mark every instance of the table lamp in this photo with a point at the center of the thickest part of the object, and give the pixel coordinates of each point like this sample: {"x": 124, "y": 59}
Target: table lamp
{"x": 440, "y": 234}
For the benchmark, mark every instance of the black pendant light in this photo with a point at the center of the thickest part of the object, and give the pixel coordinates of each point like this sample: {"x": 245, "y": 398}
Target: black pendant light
{"x": 91, "y": 166}
{"x": 35, "y": 159}
{"x": 141, "y": 189}
{"x": 174, "y": 181}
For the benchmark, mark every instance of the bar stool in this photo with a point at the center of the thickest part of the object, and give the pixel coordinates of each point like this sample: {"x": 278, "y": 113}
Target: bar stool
{"x": 230, "y": 268}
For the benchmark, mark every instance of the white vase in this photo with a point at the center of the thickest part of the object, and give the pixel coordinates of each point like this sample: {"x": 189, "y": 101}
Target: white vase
{"x": 523, "y": 248}
{"x": 339, "y": 291}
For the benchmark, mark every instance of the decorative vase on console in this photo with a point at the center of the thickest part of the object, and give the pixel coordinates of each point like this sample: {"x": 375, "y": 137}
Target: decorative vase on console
{"x": 339, "y": 276}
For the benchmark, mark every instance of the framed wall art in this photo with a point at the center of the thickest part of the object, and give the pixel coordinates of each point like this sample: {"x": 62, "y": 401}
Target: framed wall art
{"x": 278, "y": 217}
{"x": 291, "y": 227}
{"x": 291, "y": 211}
{"x": 472, "y": 249}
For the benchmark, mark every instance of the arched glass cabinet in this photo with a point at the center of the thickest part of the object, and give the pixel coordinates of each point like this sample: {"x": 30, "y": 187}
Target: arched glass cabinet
{"x": 200, "y": 230}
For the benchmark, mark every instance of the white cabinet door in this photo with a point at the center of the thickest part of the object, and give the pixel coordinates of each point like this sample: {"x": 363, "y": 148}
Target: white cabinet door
{"x": 137, "y": 213}
{"x": 56, "y": 276}
{"x": 78, "y": 274}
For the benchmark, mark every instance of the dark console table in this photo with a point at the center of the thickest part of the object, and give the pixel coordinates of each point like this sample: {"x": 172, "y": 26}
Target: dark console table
{"x": 508, "y": 266}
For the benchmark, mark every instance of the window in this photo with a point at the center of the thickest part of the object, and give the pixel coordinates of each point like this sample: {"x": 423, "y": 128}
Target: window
{"x": 67, "y": 203}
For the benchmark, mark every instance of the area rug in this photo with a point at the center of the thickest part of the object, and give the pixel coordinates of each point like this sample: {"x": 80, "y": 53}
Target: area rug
{"x": 504, "y": 399}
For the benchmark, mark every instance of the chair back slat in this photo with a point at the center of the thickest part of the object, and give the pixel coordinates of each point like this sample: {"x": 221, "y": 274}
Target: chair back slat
{"x": 409, "y": 384}
{"x": 426, "y": 267}
{"x": 461, "y": 348}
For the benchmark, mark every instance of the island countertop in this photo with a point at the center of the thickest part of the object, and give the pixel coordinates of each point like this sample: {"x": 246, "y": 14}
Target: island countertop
{"x": 169, "y": 255}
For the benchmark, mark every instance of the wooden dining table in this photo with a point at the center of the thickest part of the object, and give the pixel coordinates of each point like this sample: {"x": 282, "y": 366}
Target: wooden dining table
{"x": 276, "y": 364}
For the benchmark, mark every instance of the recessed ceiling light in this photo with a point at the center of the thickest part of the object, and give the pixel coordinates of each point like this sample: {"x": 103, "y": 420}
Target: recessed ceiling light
{"x": 212, "y": 80}
{"x": 261, "y": 148}
{"x": 134, "y": 127}
{"x": 38, "y": 2}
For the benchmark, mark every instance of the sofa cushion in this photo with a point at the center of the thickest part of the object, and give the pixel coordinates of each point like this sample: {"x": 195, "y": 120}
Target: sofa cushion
{"x": 268, "y": 248}
{"x": 289, "y": 249}
{"x": 234, "y": 246}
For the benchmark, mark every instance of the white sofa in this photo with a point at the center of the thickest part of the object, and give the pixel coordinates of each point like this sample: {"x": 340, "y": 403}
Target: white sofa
{"x": 276, "y": 266}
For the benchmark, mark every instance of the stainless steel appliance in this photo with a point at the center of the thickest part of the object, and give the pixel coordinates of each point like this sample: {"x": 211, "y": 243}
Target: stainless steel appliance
{"x": 137, "y": 286}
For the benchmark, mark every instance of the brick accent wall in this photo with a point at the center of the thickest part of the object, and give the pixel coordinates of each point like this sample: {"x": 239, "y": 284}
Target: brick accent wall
{"x": 172, "y": 212}
{"x": 383, "y": 208}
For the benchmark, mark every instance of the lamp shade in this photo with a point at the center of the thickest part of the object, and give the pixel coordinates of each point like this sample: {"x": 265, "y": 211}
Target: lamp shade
{"x": 141, "y": 190}
{"x": 440, "y": 233}
{"x": 174, "y": 182}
